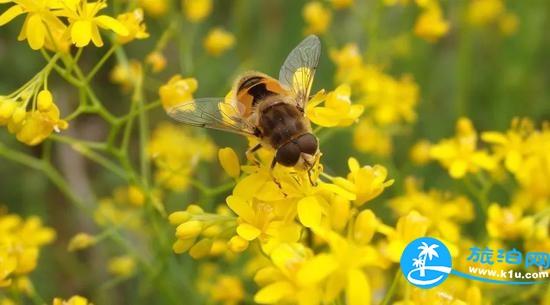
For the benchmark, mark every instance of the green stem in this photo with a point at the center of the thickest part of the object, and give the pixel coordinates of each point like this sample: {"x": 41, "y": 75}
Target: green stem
{"x": 100, "y": 63}
{"x": 391, "y": 291}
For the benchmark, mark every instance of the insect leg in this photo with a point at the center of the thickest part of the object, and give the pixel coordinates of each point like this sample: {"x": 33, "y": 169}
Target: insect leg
{"x": 313, "y": 183}
{"x": 273, "y": 163}
{"x": 250, "y": 153}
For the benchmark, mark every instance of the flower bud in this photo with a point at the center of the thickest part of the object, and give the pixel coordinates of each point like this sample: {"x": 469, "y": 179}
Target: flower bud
{"x": 45, "y": 100}
{"x": 182, "y": 245}
{"x": 81, "y": 241}
{"x": 238, "y": 244}
{"x": 179, "y": 217}
{"x": 229, "y": 162}
{"x": 201, "y": 249}
{"x": 189, "y": 229}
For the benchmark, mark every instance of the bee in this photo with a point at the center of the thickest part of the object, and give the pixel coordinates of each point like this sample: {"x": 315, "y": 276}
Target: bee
{"x": 271, "y": 110}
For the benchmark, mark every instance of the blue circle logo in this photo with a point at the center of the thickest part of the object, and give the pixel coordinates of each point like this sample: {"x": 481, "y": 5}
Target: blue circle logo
{"x": 426, "y": 262}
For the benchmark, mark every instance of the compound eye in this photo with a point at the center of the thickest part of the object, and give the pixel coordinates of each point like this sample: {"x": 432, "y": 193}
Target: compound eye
{"x": 288, "y": 154}
{"x": 308, "y": 143}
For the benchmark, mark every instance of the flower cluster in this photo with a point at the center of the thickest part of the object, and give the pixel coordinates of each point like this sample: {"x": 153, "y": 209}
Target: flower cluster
{"x": 311, "y": 225}
{"x": 20, "y": 244}
{"x": 492, "y": 12}
{"x": 430, "y": 24}
{"x": 176, "y": 152}
{"x": 56, "y": 25}
{"x": 388, "y": 101}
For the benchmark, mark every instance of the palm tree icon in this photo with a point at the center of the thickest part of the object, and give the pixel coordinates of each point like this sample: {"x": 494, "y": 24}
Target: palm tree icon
{"x": 426, "y": 252}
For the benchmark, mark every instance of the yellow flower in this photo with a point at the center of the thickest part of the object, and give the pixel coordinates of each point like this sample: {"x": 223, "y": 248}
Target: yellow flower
{"x": 367, "y": 182}
{"x": 74, "y": 300}
{"x": 178, "y": 90}
{"x": 136, "y": 196}
{"x": 507, "y": 223}
{"x": 7, "y": 267}
{"x": 154, "y": 8}
{"x": 39, "y": 20}
{"x": 408, "y": 228}
{"x": 126, "y": 74}
{"x": 84, "y": 24}
{"x": 349, "y": 61}
{"x": 508, "y": 23}
{"x": 369, "y": 138}
{"x": 279, "y": 282}
{"x": 337, "y": 110}
{"x": 133, "y": 22}
{"x": 460, "y": 154}
{"x": 218, "y": 41}
{"x": 176, "y": 153}
{"x": 228, "y": 290}
{"x": 264, "y": 221}
{"x": 157, "y": 61}
{"x": 513, "y": 146}
{"x": 38, "y": 125}
{"x": 197, "y": 10}
{"x": 391, "y": 100}
{"x": 317, "y": 17}
{"x": 431, "y": 25}
{"x": 122, "y": 266}
{"x": 445, "y": 212}
{"x": 482, "y": 12}
{"x": 420, "y": 152}
{"x": 81, "y": 241}
{"x": 229, "y": 162}
{"x": 341, "y": 4}
{"x": 20, "y": 243}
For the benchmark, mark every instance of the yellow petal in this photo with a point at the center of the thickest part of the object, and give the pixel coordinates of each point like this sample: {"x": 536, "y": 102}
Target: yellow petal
{"x": 458, "y": 169}
{"x": 248, "y": 231}
{"x": 273, "y": 293}
{"x": 10, "y": 13}
{"x": 36, "y": 32}
{"x": 81, "y": 33}
{"x": 316, "y": 269}
{"x": 96, "y": 37}
{"x": 358, "y": 289}
{"x": 309, "y": 212}
{"x": 241, "y": 208}
{"x": 229, "y": 162}
{"x": 111, "y": 23}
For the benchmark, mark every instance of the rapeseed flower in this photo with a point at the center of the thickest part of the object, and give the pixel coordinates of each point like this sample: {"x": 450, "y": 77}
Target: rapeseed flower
{"x": 74, "y": 300}
{"x": 133, "y": 22}
{"x": 197, "y": 10}
{"x": 460, "y": 154}
{"x": 317, "y": 17}
{"x": 337, "y": 110}
{"x": 154, "y": 8}
{"x": 84, "y": 23}
{"x": 177, "y": 90}
{"x": 176, "y": 152}
{"x": 40, "y": 20}
{"x": 431, "y": 25}
{"x": 218, "y": 41}
{"x": 20, "y": 244}
{"x": 445, "y": 211}
{"x": 156, "y": 60}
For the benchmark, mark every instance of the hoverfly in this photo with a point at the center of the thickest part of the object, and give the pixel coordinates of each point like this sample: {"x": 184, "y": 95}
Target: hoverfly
{"x": 268, "y": 109}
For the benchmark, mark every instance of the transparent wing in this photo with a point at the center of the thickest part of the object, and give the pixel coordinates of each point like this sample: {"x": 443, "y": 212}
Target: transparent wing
{"x": 299, "y": 68}
{"x": 215, "y": 113}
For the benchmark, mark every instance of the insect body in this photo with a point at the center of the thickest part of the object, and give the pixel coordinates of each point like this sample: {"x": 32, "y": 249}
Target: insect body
{"x": 268, "y": 109}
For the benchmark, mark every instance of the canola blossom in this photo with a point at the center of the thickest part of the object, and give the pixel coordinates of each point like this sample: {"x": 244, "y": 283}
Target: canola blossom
{"x": 430, "y": 119}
